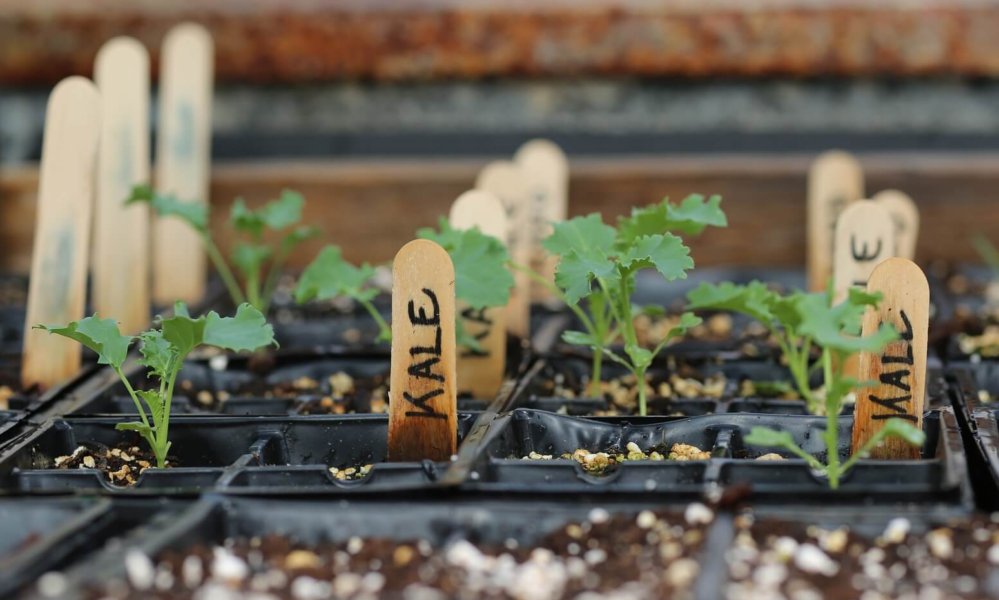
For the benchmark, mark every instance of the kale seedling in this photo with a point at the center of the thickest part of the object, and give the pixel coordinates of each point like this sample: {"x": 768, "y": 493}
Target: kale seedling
{"x": 331, "y": 276}
{"x": 251, "y": 254}
{"x": 481, "y": 277}
{"x": 801, "y": 322}
{"x": 596, "y": 273}
{"x": 163, "y": 351}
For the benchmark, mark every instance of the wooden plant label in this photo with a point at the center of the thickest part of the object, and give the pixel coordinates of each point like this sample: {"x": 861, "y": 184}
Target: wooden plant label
{"x": 899, "y": 371}
{"x": 865, "y": 236}
{"x": 547, "y": 172}
{"x": 835, "y": 180}
{"x": 905, "y": 218}
{"x": 481, "y": 371}
{"x": 57, "y": 289}
{"x": 423, "y": 406}
{"x": 121, "y": 233}
{"x": 507, "y": 181}
{"x": 182, "y": 160}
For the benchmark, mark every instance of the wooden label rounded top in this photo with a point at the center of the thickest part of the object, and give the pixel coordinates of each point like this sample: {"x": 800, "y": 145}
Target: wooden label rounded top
{"x": 865, "y": 236}
{"x": 905, "y": 218}
{"x": 423, "y": 404}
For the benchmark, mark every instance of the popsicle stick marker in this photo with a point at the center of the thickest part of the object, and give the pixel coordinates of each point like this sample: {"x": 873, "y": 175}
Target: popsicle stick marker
{"x": 57, "y": 289}
{"x": 900, "y": 369}
{"x": 182, "y": 160}
{"x": 547, "y": 170}
{"x": 835, "y": 180}
{"x": 507, "y": 181}
{"x": 423, "y": 408}
{"x": 865, "y": 236}
{"x": 905, "y": 218}
{"x": 481, "y": 371}
{"x": 121, "y": 233}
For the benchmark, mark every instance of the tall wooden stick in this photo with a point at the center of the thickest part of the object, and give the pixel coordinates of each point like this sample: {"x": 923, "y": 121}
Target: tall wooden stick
{"x": 423, "y": 422}
{"x": 57, "y": 290}
{"x": 905, "y": 217}
{"x": 481, "y": 371}
{"x": 865, "y": 236}
{"x": 121, "y": 233}
{"x": 835, "y": 180}
{"x": 183, "y": 156}
{"x": 507, "y": 181}
{"x": 547, "y": 171}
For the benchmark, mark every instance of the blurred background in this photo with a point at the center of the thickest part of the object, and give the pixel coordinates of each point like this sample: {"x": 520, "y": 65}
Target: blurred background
{"x": 376, "y": 108}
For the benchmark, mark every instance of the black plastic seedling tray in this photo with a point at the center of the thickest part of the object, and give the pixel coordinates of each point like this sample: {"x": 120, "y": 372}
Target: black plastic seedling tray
{"x": 984, "y": 446}
{"x": 44, "y": 534}
{"x": 234, "y": 386}
{"x": 501, "y": 526}
{"x": 708, "y": 537}
{"x": 266, "y": 454}
{"x": 940, "y": 477}
{"x": 573, "y": 372}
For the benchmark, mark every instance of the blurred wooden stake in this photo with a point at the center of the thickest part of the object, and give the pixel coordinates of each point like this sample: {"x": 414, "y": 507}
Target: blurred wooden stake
{"x": 905, "y": 218}
{"x": 121, "y": 233}
{"x": 547, "y": 170}
{"x": 835, "y": 180}
{"x": 183, "y": 155}
{"x": 508, "y": 182}
{"x": 481, "y": 371}
{"x": 57, "y": 290}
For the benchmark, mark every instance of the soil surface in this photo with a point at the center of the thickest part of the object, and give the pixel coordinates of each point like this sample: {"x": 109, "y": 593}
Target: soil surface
{"x": 339, "y": 393}
{"x": 772, "y": 559}
{"x": 648, "y": 555}
{"x": 122, "y": 464}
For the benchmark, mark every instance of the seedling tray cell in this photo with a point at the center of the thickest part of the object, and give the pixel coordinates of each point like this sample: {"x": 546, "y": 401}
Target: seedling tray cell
{"x": 39, "y": 535}
{"x": 938, "y": 477}
{"x": 570, "y": 373}
{"x": 295, "y": 385}
{"x": 451, "y": 533}
{"x": 263, "y": 453}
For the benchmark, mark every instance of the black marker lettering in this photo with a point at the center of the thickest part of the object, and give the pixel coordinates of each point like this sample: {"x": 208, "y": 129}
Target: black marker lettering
{"x": 434, "y": 350}
{"x": 890, "y": 403}
{"x": 422, "y": 318}
{"x": 862, "y": 255}
{"x": 422, "y": 370}
{"x": 421, "y": 402}
{"x": 896, "y": 379}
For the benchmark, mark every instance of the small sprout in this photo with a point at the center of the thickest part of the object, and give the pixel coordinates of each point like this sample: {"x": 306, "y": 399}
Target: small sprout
{"x": 258, "y": 260}
{"x": 800, "y": 323}
{"x": 330, "y": 276}
{"x": 163, "y": 352}
{"x": 596, "y": 274}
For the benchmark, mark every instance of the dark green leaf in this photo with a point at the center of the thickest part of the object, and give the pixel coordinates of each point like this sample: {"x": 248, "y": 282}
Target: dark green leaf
{"x": 574, "y": 275}
{"x": 753, "y": 299}
{"x": 480, "y": 273}
{"x": 250, "y": 258}
{"x": 587, "y": 236}
{"x": 579, "y": 338}
{"x": 276, "y": 214}
{"x": 157, "y": 353}
{"x": 665, "y": 253}
{"x": 247, "y": 330}
{"x": 194, "y": 214}
{"x": 690, "y": 218}
{"x": 100, "y": 335}
{"x": 330, "y": 276}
